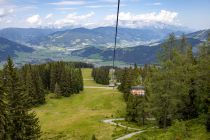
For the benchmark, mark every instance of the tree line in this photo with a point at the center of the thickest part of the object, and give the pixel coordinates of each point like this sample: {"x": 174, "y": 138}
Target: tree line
{"x": 101, "y": 75}
{"x": 25, "y": 87}
{"x": 61, "y": 78}
{"x": 82, "y": 65}
{"x": 177, "y": 89}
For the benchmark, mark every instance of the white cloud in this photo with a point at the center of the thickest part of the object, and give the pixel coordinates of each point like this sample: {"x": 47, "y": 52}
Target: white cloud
{"x": 4, "y": 12}
{"x": 48, "y": 16}
{"x": 62, "y": 3}
{"x": 138, "y": 20}
{"x": 73, "y": 20}
{"x": 34, "y": 20}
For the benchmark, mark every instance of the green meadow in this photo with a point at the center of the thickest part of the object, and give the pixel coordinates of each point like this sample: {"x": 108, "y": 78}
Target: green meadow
{"x": 80, "y": 116}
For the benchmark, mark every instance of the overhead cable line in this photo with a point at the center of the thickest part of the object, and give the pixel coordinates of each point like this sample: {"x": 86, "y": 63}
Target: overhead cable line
{"x": 116, "y": 33}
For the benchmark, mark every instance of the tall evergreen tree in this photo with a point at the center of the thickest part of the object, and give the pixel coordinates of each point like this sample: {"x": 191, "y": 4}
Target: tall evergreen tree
{"x": 29, "y": 87}
{"x": 39, "y": 97}
{"x": 188, "y": 69}
{"x": 21, "y": 120}
{"x": 167, "y": 48}
{"x": 126, "y": 83}
{"x": 165, "y": 86}
{"x": 3, "y": 116}
{"x": 136, "y": 109}
{"x": 66, "y": 83}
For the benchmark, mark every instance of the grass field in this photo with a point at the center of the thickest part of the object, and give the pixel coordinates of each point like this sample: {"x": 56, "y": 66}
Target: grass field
{"x": 79, "y": 116}
{"x": 195, "y": 130}
{"x": 87, "y": 78}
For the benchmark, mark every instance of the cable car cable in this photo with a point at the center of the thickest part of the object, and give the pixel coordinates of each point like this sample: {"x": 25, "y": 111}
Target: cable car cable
{"x": 116, "y": 32}
{"x": 112, "y": 81}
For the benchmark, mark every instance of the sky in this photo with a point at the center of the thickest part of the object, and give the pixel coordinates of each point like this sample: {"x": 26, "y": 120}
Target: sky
{"x": 193, "y": 14}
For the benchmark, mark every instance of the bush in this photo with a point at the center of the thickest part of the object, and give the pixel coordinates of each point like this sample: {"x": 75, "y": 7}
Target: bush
{"x": 180, "y": 130}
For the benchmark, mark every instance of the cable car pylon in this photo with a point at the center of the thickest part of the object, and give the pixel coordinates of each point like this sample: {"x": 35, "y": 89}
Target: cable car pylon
{"x": 112, "y": 82}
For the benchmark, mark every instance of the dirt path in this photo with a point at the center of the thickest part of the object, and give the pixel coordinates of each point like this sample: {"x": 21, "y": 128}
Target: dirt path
{"x": 111, "y": 121}
{"x": 88, "y": 79}
{"x": 102, "y": 87}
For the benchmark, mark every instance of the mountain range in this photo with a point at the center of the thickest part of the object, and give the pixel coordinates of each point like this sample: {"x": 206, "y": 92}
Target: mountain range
{"x": 82, "y": 37}
{"x": 200, "y": 35}
{"x": 139, "y": 54}
{"x": 134, "y": 45}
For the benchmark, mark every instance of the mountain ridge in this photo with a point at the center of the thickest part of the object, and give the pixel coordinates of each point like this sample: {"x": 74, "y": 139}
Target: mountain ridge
{"x": 138, "y": 54}
{"x": 9, "y": 48}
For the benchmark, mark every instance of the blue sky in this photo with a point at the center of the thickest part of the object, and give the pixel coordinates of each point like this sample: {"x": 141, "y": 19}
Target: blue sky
{"x": 93, "y": 13}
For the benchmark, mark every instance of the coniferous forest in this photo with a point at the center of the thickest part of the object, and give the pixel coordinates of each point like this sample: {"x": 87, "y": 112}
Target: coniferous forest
{"x": 101, "y": 75}
{"x": 26, "y": 87}
{"x": 176, "y": 90}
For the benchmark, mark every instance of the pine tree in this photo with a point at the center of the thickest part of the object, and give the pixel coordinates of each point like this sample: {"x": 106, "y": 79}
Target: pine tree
{"x": 39, "y": 97}
{"x": 29, "y": 87}
{"x": 32, "y": 127}
{"x": 65, "y": 83}
{"x": 101, "y": 75}
{"x": 33, "y": 86}
{"x": 203, "y": 80}
{"x": 3, "y": 116}
{"x": 136, "y": 78}
{"x": 189, "y": 73}
{"x": 20, "y": 118}
{"x": 126, "y": 83}
{"x": 131, "y": 108}
{"x": 164, "y": 87}
{"x": 53, "y": 76}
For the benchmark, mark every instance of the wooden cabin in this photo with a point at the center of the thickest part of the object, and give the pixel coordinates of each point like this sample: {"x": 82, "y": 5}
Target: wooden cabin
{"x": 138, "y": 90}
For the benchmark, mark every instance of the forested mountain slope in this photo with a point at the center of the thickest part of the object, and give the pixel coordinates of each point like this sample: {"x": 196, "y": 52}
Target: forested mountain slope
{"x": 9, "y": 48}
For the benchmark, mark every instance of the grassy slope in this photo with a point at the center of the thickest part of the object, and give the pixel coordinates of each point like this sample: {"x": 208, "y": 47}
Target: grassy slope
{"x": 195, "y": 131}
{"x": 87, "y": 76}
{"x": 79, "y": 116}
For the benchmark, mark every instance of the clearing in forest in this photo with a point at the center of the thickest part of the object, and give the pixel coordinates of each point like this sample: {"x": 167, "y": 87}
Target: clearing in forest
{"x": 80, "y": 116}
